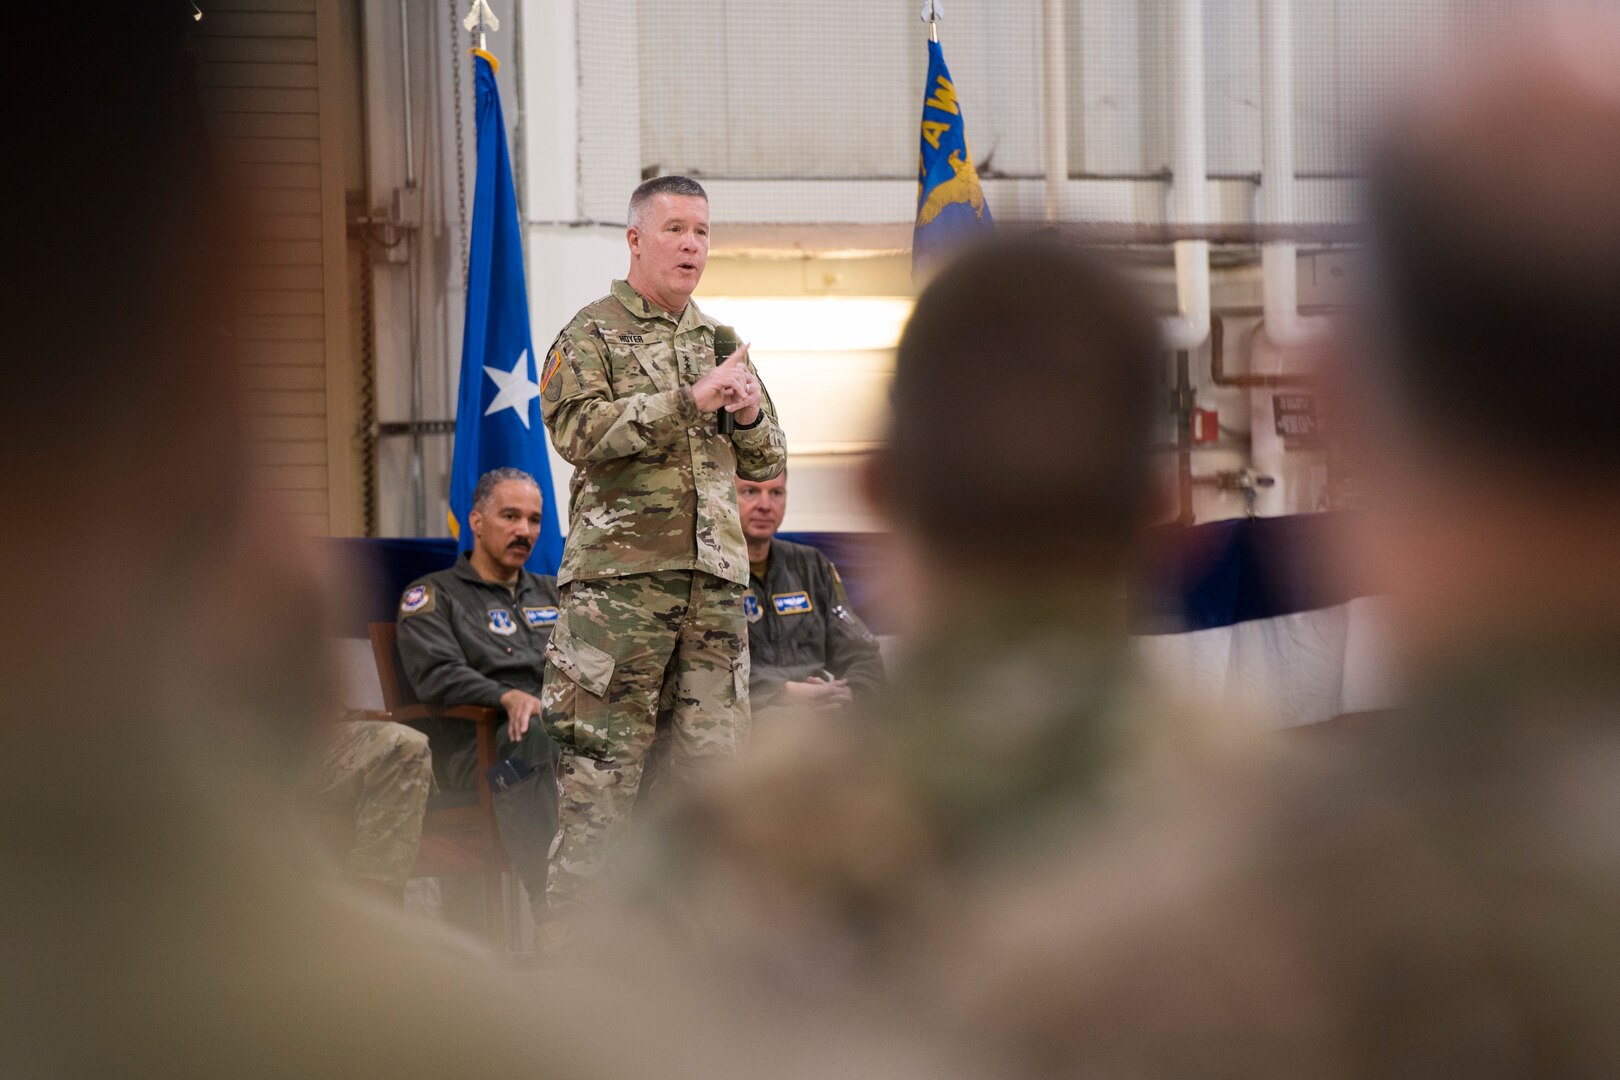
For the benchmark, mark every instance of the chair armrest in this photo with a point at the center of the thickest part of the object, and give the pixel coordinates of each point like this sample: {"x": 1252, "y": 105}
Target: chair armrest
{"x": 410, "y": 714}
{"x": 484, "y": 717}
{"x": 477, "y": 714}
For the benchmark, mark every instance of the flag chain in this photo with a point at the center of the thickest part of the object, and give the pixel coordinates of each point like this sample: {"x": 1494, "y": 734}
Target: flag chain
{"x": 461, "y": 162}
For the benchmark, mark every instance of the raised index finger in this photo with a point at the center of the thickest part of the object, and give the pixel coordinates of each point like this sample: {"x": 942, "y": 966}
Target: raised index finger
{"x": 737, "y": 358}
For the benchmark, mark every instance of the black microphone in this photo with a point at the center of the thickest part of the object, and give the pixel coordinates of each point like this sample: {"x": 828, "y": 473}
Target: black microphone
{"x": 725, "y": 343}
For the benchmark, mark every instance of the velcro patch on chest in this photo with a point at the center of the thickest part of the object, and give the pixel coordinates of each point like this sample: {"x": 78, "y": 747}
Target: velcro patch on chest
{"x": 540, "y": 616}
{"x": 751, "y": 607}
{"x": 417, "y": 599}
{"x": 500, "y": 622}
{"x": 792, "y": 603}
{"x": 621, "y": 337}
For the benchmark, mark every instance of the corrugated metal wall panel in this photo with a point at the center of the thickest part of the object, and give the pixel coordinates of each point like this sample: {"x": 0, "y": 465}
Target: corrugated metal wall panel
{"x": 260, "y": 74}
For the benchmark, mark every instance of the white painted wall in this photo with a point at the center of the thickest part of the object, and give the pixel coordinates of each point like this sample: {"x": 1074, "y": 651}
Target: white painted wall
{"x": 832, "y": 89}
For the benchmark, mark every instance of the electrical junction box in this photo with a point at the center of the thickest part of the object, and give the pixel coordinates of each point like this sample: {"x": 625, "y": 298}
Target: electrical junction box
{"x": 1296, "y": 418}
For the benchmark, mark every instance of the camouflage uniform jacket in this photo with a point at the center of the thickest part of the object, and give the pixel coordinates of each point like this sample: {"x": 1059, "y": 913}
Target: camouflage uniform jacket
{"x": 466, "y": 641}
{"x": 800, "y": 624}
{"x": 654, "y": 480}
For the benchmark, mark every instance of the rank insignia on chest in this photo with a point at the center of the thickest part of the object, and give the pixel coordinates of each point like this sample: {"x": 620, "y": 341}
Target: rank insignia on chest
{"x": 540, "y": 616}
{"x": 792, "y": 603}
{"x": 416, "y": 598}
{"x": 751, "y": 607}
{"x": 500, "y": 622}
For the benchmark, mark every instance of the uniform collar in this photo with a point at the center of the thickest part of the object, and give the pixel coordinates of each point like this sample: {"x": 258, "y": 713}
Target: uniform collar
{"x": 642, "y": 308}
{"x": 464, "y": 570}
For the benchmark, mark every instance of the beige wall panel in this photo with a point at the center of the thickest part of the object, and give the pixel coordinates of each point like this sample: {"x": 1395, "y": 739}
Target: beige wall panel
{"x": 262, "y": 5}
{"x": 283, "y": 353}
{"x": 280, "y": 276}
{"x": 289, "y": 477}
{"x": 269, "y": 151}
{"x": 279, "y": 303}
{"x": 276, "y": 76}
{"x": 259, "y": 100}
{"x": 285, "y": 428}
{"x": 260, "y": 175}
{"x": 282, "y": 201}
{"x": 304, "y": 503}
{"x": 280, "y": 328}
{"x": 284, "y": 226}
{"x": 285, "y": 253}
{"x": 285, "y": 403}
{"x": 307, "y": 524}
{"x": 263, "y": 125}
{"x": 279, "y": 140}
{"x": 257, "y": 24}
{"x": 275, "y": 377}
{"x": 282, "y": 50}
{"x": 287, "y": 453}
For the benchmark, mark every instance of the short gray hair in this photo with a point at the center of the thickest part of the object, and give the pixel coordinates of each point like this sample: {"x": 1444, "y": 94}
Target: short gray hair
{"x": 662, "y": 185}
{"x": 486, "y": 484}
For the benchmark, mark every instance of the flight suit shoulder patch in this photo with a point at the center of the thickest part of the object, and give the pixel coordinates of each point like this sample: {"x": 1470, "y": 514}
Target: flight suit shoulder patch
{"x": 792, "y": 603}
{"x": 418, "y": 600}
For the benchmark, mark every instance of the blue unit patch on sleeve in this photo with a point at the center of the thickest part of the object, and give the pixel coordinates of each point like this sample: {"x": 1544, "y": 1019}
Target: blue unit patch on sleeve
{"x": 500, "y": 622}
{"x": 540, "y": 616}
{"x": 792, "y": 603}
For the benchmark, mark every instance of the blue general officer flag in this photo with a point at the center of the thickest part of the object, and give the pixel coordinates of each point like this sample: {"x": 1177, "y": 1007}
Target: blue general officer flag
{"x": 950, "y": 201}
{"x": 497, "y": 416}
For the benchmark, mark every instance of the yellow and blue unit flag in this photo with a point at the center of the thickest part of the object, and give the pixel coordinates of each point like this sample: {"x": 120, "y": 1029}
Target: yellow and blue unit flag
{"x": 950, "y": 201}
{"x": 497, "y": 416}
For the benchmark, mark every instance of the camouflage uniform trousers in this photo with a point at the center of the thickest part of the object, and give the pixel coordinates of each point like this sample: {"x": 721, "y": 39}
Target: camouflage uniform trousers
{"x": 625, "y": 649}
{"x": 385, "y": 771}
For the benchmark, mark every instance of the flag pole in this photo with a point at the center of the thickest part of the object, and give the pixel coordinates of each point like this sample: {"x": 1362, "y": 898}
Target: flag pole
{"x": 932, "y": 12}
{"x": 481, "y": 19}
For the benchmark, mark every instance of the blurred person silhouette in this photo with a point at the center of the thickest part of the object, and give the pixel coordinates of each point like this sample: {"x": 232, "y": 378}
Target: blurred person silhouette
{"x": 1439, "y": 895}
{"x": 382, "y": 773}
{"x": 164, "y": 916}
{"x": 816, "y": 877}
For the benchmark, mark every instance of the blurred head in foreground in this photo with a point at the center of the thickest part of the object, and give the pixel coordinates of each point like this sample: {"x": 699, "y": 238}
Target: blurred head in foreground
{"x": 1438, "y": 895}
{"x": 814, "y": 880}
{"x": 162, "y": 675}
{"x": 1485, "y": 428}
{"x": 1022, "y": 409}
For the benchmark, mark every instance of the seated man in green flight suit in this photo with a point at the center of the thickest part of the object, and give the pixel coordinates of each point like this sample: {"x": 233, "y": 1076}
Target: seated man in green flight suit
{"x": 808, "y": 649}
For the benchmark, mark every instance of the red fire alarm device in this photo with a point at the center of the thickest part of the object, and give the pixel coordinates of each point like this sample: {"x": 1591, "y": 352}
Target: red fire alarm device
{"x": 1206, "y": 426}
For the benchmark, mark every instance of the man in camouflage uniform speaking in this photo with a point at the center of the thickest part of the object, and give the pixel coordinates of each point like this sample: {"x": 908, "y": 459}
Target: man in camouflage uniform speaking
{"x": 655, "y": 567}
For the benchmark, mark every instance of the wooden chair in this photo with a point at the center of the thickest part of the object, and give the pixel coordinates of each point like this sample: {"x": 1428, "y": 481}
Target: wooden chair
{"x": 458, "y": 832}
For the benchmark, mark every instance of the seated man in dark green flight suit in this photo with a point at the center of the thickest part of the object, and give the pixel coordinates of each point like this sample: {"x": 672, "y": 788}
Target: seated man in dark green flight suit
{"x": 475, "y": 634}
{"x": 807, "y": 648}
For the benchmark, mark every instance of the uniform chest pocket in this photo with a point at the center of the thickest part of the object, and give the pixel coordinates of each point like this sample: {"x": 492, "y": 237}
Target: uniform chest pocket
{"x": 643, "y": 367}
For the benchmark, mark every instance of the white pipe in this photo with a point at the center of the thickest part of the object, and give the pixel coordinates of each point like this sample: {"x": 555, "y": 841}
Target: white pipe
{"x": 1278, "y": 260}
{"x": 1057, "y": 108}
{"x": 1188, "y": 181}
